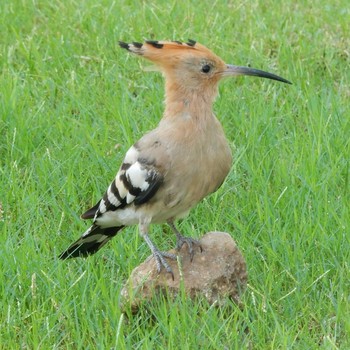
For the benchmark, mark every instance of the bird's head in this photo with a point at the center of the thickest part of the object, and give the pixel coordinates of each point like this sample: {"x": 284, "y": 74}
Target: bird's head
{"x": 190, "y": 67}
{"x": 191, "y": 62}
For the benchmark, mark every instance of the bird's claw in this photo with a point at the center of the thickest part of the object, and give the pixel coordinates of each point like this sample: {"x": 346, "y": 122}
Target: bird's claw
{"x": 161, "y": 262}
{"x": 181, "y": 240}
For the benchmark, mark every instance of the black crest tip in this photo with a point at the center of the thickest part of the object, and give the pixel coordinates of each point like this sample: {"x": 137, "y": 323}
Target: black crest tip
{"x": 191, "y": 42}
{"x": 124, "y": 45}
{"x": 138, "y": 45}
{"x": 155, "y": 44}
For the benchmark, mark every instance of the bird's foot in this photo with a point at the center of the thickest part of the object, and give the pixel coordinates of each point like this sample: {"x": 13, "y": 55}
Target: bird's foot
{"x": 159, "y": 256}
{"x": 181, "y": 240}
{"x": 161, "y": 262}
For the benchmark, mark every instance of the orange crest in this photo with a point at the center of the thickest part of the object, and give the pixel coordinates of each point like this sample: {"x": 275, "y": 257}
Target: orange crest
{"x": 167, "y": 53}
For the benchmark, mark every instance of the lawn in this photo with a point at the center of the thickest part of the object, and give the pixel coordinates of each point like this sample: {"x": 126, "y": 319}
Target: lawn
{"x": 72, "y": 103}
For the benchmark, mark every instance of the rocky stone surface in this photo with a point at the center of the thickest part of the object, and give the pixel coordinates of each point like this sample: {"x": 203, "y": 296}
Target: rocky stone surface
{"x": 218, "y": 272}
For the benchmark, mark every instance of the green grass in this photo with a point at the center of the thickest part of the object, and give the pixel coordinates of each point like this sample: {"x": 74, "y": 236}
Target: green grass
{"x": 69, "y": 95}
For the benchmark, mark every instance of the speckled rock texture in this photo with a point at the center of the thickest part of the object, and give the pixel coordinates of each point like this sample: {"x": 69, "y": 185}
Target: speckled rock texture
{"x": 217, "y": 273}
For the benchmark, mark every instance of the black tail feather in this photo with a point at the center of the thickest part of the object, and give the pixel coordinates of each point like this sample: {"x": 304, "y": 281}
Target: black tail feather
{"x": 92, "y": 241}
{"x": 90, "y": 213}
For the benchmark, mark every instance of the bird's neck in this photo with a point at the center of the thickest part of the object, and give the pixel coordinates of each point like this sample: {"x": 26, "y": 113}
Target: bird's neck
{"x": 193, "y": 103}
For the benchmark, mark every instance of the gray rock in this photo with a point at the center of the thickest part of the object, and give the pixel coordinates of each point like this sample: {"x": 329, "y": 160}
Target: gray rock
{"x": 217, "y": 273}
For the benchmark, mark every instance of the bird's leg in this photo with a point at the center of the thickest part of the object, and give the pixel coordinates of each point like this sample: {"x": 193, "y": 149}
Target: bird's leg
{"x": 181, "y": 240}
{"x": 158, "y": 255}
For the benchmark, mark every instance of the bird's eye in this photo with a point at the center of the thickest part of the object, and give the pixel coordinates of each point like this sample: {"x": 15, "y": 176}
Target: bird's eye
{"x": 206, "y": 68}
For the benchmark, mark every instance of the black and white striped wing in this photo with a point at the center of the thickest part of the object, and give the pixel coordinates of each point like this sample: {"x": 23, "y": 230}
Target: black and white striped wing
{"x": 136, "y": 182}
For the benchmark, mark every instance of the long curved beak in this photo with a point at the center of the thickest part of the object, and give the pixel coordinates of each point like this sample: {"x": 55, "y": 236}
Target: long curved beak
{"x": 232, "y": 70}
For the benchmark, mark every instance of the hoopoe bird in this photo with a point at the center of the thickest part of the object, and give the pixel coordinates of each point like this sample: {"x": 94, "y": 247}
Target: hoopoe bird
{"x": 173, "y": 167}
